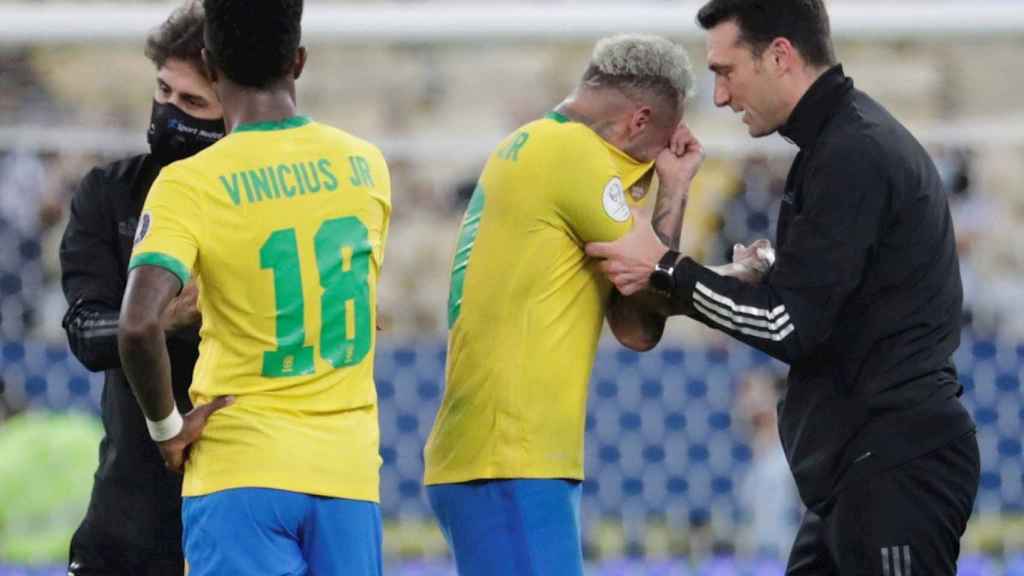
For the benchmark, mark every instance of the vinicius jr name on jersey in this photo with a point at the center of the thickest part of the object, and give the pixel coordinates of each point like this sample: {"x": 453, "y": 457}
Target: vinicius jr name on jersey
{"x": 283, "y": 181}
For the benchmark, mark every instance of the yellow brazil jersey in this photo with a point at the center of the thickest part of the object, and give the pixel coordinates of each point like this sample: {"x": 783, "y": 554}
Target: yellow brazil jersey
{"x": 283, "y": 226}
{"x": 526, "y": 305}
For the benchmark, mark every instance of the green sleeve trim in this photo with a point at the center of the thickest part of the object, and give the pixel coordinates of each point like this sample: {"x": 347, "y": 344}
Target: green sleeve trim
{"x": 293, "y": 122}
{"x": 460, "y": 263}
{"x": 557, "y": 117}
{"x": 169, "y": 263}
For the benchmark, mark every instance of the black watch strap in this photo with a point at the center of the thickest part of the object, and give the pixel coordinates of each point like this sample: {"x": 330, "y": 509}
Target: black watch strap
{"x": 668, "y": 261}
{"x": 663, "y": 278}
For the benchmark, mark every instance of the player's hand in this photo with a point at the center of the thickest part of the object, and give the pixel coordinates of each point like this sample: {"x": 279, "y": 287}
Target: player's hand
{"x": 751, "y": 263}
{"x": 175, "y": 450}
{"x": 183, "y": 310}
{"x": 629, "y": 261}
{"x": 678, "y": 163}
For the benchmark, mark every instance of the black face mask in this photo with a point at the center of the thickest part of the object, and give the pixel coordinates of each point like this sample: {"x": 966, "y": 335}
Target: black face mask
{"x": 174, "y": 135}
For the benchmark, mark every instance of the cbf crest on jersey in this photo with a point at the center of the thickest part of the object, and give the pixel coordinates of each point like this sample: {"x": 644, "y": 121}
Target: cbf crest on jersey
{"x": 614, "y": 200}
{"x": 143, "y": 229}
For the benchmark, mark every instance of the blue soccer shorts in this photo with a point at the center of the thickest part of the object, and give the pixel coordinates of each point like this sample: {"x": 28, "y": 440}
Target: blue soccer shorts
{"x": 259, "y": 531}
{"x": 520, "y": 527}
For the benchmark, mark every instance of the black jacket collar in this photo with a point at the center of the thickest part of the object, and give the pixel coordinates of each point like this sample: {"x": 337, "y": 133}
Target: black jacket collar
{"x": 816, "y": 107}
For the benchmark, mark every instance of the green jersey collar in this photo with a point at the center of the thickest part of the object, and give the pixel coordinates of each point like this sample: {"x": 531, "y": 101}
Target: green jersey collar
{"x": 287, "y": 123}
{"x": 557, "y": 117}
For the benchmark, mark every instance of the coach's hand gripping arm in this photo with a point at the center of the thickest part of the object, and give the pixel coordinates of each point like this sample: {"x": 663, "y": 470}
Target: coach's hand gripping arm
{"x": 146, "y": 364}
{"x": 792, "y": 311}
{"x": 638, "y": 321}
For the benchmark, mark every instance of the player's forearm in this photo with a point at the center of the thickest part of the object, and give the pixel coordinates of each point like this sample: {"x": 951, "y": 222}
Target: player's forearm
{"x": 637, "y": 321}
{"x": 669, "y": 210}
{"x": 144, "y": 358}
{"x": 142, "y": 342}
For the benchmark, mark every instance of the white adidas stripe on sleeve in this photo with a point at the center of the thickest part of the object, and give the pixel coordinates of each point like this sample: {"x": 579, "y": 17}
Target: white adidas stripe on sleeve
{"x": 748, "y": 310}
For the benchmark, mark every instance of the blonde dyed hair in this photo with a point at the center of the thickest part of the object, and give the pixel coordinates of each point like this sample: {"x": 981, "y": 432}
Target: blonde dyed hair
{"x": 644, "y": 63}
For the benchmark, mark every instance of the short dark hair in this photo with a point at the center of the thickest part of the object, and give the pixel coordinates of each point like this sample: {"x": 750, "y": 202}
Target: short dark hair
{"x": 803, "y": 22}
{"x": 179, "y": 37}
{"x": 253, "y": 43}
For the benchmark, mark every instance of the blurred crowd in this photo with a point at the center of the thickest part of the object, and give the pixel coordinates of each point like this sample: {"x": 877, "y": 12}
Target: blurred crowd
{"x": 35, "y": 191}
{"x": 437, "y": 110}
{"x": 736, "y": 201}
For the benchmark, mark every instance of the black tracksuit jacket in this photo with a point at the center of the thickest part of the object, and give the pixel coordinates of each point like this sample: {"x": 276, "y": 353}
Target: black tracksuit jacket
{"x": 135, "y": 509}
{"x": 863, "y": 302}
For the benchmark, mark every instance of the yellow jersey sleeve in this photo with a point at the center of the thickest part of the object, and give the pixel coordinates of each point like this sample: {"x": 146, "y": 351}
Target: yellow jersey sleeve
{"x": 382, "y": 188}
{"x": 170, "y": 227}
{"x": 589, "y": 194}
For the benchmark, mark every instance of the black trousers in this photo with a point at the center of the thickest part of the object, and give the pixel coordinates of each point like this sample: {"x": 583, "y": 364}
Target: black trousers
{"x": 907, "y": 520}
{"x": 94, "y": 553}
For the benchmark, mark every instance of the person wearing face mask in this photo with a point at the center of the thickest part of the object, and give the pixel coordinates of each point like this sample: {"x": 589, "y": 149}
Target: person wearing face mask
{"x": 128, "y": 530}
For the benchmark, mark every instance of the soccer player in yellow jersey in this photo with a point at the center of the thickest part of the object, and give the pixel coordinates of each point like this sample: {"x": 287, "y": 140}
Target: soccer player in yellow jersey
{"x": 504, "y": 461}
{"x": 282, "y": 223}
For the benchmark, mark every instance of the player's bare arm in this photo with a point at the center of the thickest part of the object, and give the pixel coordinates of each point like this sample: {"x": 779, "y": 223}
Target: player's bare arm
{"x": 144, "y": 357}
{"x": 183, "y": 310}
{"x": 638, "y": 320}
{"x": 629, "y": 261}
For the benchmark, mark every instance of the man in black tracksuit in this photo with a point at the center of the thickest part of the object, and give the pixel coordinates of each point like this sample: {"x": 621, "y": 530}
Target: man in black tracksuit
{"x": 133, "y": 527}
{"x": 863, "y": 302}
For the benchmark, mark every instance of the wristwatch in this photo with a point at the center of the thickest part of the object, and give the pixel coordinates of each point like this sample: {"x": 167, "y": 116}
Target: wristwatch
{"x": 663, "y": 278}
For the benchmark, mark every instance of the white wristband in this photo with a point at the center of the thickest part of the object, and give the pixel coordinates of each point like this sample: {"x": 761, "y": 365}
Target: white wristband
{"x": 167, "y": 428}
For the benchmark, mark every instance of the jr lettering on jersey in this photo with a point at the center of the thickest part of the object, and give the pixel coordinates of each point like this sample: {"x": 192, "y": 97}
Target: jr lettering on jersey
{"x": 361, "y": 176}
{"x": 279, "y": 181}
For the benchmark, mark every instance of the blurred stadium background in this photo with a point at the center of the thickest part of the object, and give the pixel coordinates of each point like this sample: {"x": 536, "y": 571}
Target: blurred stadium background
{"x": 685, "y": 475}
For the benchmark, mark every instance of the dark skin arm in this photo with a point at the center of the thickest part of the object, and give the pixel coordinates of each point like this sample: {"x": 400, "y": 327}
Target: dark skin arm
{"x": 141, "y": 338}
{"x": 145, "y": 361}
